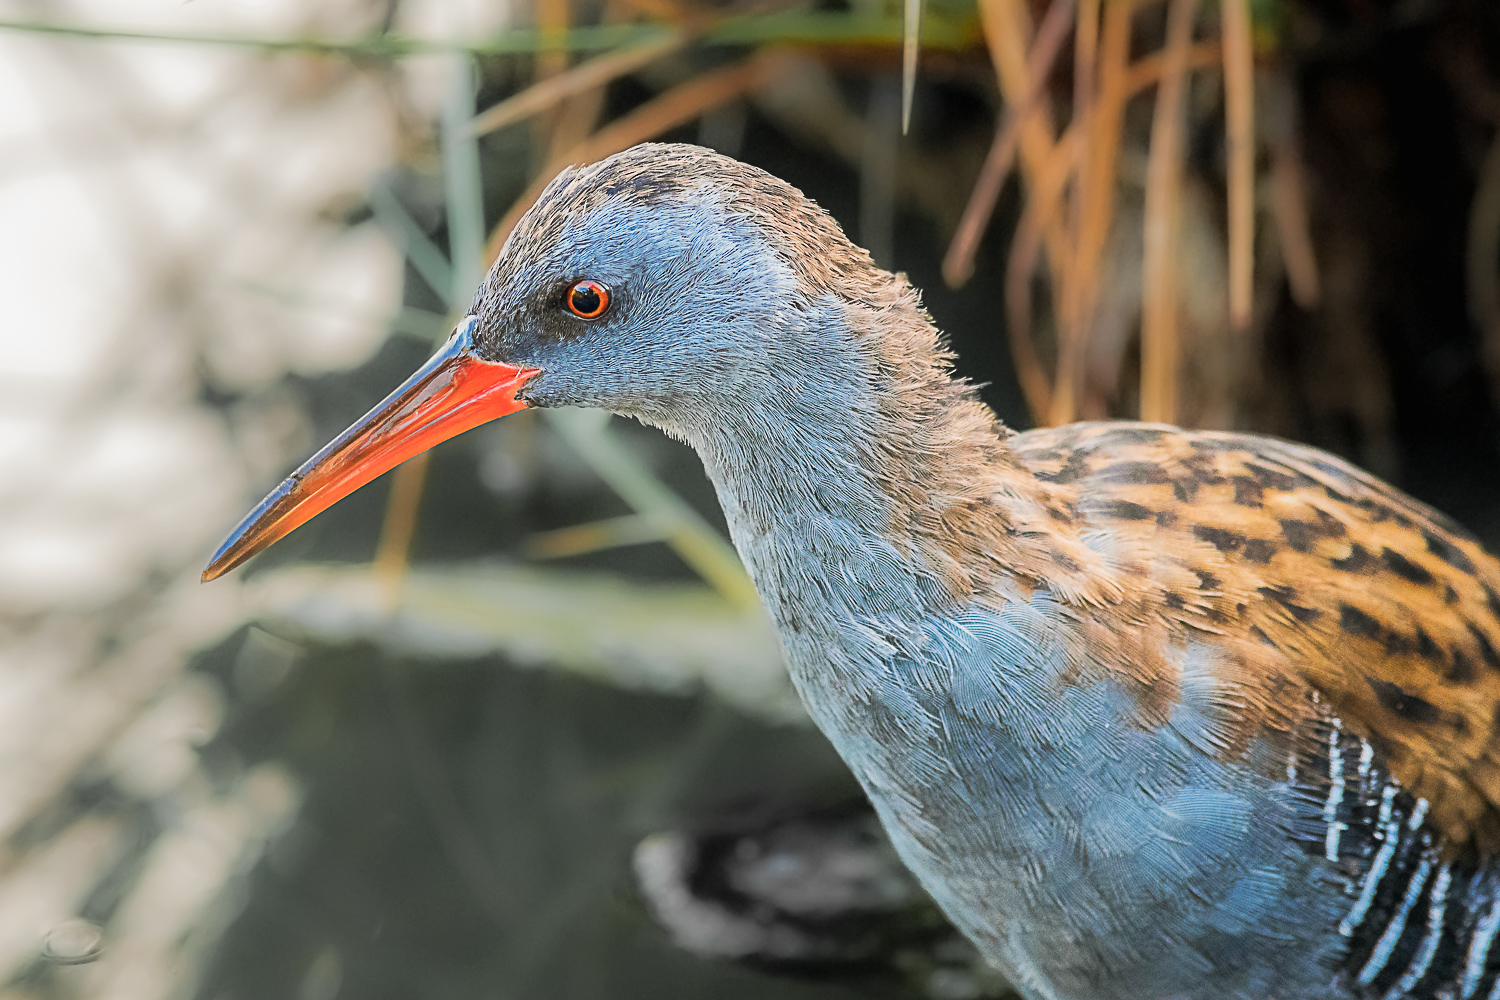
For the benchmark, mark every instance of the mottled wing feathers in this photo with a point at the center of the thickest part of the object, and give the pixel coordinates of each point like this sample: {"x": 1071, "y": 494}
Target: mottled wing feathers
{"x": 1298, "y": 565}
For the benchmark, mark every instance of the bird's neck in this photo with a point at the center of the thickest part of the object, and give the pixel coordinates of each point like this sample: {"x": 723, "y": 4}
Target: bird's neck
{"x": 881, "y": 488}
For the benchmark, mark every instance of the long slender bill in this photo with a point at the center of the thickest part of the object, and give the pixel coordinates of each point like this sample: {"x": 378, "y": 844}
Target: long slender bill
{"x": 454, "y": 391}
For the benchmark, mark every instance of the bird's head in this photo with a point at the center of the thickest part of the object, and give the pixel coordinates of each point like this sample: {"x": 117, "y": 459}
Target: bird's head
{"x": 644, "y": 284}
{"x": 667, "y": 282}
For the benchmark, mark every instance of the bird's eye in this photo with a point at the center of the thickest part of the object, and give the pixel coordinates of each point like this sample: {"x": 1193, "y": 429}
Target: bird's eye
{"x": 587, "y": 299}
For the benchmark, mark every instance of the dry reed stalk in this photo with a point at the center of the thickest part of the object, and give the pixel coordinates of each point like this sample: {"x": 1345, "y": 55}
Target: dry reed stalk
{"x": 1293, "y": 228}
{"x": 1075, "y": 318}
{"x": 1040, "y": 210}
{"x": 664, "y": 11}
{"x": 574, "y": 119}
{"x": 553, "y": 18}
{"x": 911, "y": 45}
{"x": 1095, "y": 202}
{"x": 1007, "y": 31}
{"x": 1085, "y": 74}
{"x": 1239, "y": 135}
{"x": 581, "y": 539}
{"x": 1160, "y": 304}
{"x": 400, "y": 524}
{"x": 1146, "y": 71}
{"x": 666, "y": 111}
{"x": 1072, "y": 330}
{"x": 582, "y": 78}
{"x": 958, "y": 264}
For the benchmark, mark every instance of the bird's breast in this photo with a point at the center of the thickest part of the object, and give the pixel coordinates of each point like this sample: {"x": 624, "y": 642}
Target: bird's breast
{"x": 1090, "y": 854}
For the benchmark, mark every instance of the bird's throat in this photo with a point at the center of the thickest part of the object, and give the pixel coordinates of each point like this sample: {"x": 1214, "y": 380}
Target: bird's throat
{"x": 882, "y": 487}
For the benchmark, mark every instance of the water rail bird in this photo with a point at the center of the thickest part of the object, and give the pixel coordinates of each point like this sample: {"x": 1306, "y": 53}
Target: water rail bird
{"x": 1152, "y": 713}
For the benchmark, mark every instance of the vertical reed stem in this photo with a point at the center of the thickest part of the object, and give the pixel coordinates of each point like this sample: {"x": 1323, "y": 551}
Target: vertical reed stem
{"x": 1096, "y": 203}
{"x": 1239, "y": 132}
{"x": 1160, "y": 344}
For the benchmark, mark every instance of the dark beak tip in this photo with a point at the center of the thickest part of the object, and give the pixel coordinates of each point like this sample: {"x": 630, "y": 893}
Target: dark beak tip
{"x": 216, "y": 568}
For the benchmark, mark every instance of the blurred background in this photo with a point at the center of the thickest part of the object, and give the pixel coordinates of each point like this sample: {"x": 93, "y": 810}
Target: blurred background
{"x": 509, "y": 722}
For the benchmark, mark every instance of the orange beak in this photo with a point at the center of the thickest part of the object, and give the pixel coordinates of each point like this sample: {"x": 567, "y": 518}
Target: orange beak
{"x": 453, "y": 392}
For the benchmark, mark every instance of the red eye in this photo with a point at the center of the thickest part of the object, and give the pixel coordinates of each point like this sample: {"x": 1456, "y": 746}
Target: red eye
{"x": 587, "y": 299}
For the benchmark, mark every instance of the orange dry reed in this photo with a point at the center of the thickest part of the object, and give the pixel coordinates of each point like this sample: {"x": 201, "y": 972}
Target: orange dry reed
{"x": 1070, "y": 210}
